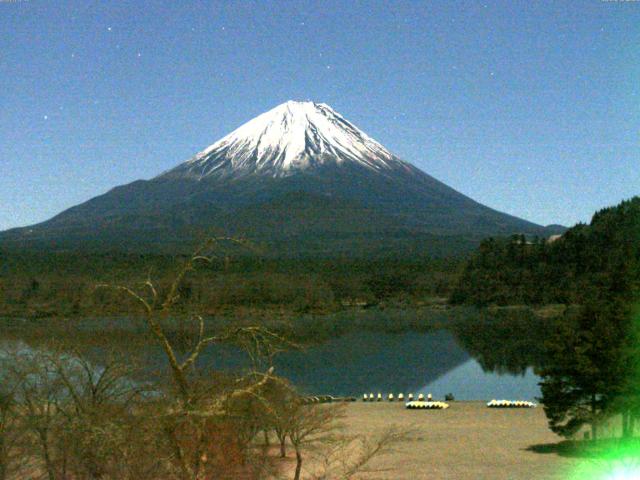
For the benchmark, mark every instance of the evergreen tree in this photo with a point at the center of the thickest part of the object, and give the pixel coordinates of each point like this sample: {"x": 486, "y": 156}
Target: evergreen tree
{"x": 592, "y": 367}
{"x": 576, "y": 379}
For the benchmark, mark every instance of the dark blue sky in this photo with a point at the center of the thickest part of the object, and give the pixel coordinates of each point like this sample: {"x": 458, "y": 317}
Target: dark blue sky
{"x": 529, "y": 107}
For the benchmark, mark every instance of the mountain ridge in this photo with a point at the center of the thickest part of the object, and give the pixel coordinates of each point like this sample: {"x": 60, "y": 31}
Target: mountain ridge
{"x": 338, "y": 183}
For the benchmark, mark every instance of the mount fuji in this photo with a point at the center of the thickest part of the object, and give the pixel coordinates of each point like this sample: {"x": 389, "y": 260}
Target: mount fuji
{"x": 299, "y": 179}
{"x": 293, "y": 137}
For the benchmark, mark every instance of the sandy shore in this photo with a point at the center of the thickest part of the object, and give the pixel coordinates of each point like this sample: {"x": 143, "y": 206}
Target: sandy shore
{"x": 465, "y": 442}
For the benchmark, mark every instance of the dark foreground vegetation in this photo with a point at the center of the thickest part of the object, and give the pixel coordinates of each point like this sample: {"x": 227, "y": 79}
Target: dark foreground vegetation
{"x": 591, "y": 370}
{"x": 63, "y": 417}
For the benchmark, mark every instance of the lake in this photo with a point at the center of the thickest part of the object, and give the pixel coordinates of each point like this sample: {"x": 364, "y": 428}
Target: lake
{"x": 372, "y": 362}
{"x": 440, "y": 361}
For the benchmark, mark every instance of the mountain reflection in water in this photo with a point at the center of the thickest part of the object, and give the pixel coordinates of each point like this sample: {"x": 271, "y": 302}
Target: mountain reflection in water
{"x": 368, "y": 361}
{"x": 391, "y": 363}
{"x": 479, "y": 359}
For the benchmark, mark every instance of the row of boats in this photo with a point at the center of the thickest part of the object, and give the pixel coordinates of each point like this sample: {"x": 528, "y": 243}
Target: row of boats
{"x": 427, "y": 402}
{"x": 391, "y": 397}
{"x": 510, "y": 404}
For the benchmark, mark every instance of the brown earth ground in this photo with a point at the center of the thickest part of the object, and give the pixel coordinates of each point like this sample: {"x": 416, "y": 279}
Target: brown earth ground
{"x": 468, "y": 441}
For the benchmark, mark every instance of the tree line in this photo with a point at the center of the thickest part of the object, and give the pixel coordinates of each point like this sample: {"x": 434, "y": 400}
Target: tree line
{"x": 61, "y": 284}
{"x": 590, "y": 370}
{"x": 585, "y": 260}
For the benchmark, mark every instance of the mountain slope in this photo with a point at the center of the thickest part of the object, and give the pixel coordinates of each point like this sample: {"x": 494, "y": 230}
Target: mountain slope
{"x": 300, "y": 179}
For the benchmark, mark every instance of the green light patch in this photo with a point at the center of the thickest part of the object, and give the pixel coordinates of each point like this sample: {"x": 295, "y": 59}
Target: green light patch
{"x": 617, "y": 460}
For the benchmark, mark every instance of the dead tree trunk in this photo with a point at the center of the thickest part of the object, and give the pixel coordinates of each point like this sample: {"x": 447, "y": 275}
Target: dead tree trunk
{"x": 298, "y": 465}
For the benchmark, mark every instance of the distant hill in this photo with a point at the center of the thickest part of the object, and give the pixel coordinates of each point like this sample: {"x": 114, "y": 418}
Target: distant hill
{"x": 299, "y": 179}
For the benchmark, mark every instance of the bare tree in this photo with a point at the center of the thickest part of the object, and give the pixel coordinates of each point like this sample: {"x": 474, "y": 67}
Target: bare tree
{"x": 11, "y": 433}
{"x": 100, "y": 402}
{"x": 39, "y": 391}
{"x": 72, "y": 418}
{"x": 283, "y": 406}
{"x": 311, "y": 426}
{"x": 349, "y": 456}
{"x": 316, "y": 431}
{"x": 197, "y": 410}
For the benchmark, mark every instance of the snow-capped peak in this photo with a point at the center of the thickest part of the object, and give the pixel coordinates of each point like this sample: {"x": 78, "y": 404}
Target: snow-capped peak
{"x": 293, "y": 136}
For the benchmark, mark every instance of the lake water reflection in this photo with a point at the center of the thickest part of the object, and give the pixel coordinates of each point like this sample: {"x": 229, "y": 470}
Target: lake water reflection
{"x": 469, "y": 382}
{"x": 356, "y": 363}
{"x": 437, "y": 362}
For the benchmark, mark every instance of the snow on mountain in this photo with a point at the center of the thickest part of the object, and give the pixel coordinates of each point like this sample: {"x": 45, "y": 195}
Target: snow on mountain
{"x": 291, "y": 137}
{"x": 299, "y": 178}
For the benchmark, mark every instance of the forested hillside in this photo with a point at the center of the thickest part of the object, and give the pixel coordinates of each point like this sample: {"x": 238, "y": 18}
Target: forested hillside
{"x": 588, "y": 260}
{"x": 45, "y": 284}
{"x": 590, "y": 371}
